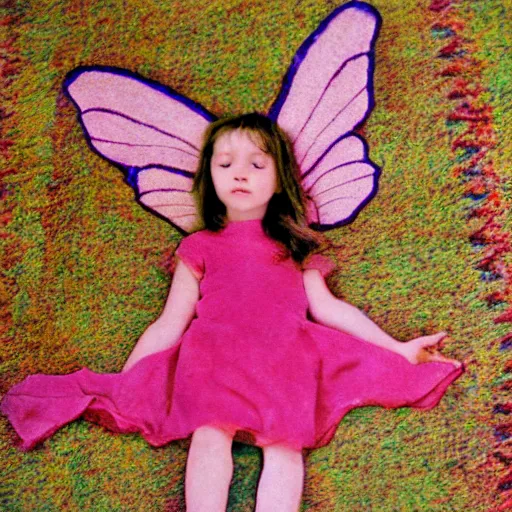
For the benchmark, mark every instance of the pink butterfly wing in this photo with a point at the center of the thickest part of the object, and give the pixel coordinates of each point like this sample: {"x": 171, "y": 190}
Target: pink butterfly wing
{"x": 130, "y": 143}
{"x": 151, "y": 131}
{"x": 338, "y": 182}
{"x": 326, "y": 94}
{"x": 168, "y": 194}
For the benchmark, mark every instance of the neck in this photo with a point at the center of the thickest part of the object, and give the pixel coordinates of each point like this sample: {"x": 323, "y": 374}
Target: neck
{"x": 244, "y": 226}
{"x": 236, "y": 221}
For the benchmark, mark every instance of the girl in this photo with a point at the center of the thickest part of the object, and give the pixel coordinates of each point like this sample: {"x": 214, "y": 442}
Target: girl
{"x": 233, "y": 352}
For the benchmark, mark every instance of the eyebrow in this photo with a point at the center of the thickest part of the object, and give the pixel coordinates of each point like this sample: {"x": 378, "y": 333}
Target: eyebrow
{"x": 254, "y": 153}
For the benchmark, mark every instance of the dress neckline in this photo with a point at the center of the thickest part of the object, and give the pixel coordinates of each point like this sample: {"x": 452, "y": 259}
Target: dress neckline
{"x": 239, "y": 226}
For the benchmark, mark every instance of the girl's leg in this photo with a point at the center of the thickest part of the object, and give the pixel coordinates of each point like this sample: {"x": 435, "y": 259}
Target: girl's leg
{"x": 281, "y": 481}
{"x": 209, "y": 470}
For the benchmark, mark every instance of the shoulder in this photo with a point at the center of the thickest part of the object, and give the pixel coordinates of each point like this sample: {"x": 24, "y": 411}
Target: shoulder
{"x": 197, "y": 248}
{"x": 197, "y": 238}
{"x": 319, "y": 262}
{"x": 196, "y": 235}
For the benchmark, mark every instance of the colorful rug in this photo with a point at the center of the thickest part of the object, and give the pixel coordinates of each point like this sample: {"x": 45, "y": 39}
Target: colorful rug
{"x": 86, "y": 269}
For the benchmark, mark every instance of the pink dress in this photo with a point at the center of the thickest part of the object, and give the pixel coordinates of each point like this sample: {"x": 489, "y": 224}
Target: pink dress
{"x": 251, "y": 361}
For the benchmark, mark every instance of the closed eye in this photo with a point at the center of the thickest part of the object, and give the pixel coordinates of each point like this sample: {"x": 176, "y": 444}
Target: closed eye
{"x": 224, "y": 165}
{"x": 258, "y": 166}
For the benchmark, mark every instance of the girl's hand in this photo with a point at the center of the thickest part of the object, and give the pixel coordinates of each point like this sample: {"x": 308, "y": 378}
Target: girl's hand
{"x": 420, "y": 350}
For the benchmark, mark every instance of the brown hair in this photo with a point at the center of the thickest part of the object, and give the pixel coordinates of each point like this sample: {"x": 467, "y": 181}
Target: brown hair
{"x": 285, "y": 218}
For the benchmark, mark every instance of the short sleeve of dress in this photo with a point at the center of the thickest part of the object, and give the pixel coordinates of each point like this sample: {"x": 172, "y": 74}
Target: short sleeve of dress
{"x": 191, "y": 252}
{"x": 319, "y": 262}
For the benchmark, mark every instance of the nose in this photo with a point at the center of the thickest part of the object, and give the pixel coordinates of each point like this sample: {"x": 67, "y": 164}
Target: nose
{"x": 241, "y": 173}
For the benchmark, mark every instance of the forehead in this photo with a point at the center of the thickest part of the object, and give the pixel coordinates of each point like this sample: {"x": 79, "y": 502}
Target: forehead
{"x": 239, "y": 140}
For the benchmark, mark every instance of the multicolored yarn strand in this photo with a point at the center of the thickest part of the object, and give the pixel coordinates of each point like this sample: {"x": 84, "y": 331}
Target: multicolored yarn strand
{"x": 474, "y": 143}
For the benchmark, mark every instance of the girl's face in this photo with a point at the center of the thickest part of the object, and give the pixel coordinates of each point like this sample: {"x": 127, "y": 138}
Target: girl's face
{"x": 244, "y": 176}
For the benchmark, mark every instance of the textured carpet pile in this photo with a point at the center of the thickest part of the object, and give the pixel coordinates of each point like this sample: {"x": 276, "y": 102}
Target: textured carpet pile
{"x": 85, "y": 269}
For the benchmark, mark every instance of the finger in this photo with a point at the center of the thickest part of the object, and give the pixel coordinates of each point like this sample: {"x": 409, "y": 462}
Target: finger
{"x": 437, "y": 357}
{"x": 423, "y": 357}
{"x": 433, "y": 339}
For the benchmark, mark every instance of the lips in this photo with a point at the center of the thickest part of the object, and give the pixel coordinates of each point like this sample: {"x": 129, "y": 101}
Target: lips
{"x": 240, "y": 190}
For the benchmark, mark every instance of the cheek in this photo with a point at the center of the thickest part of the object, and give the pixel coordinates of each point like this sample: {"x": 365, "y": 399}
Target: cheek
{"x": 217, "y": 181}
{"x": 275, "y": 183}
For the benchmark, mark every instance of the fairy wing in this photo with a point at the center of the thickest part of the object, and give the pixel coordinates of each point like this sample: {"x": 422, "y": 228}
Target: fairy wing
{"x": 152, "y": 132}
{"x": 326, "y": 94}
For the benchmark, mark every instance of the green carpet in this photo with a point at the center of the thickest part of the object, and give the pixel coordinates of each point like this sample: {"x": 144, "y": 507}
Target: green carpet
{"x": 85, "y": 269}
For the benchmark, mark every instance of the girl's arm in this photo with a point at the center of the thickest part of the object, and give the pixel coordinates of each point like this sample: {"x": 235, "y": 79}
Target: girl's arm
{"x": 326, "y": 309}
{"x": 177, "y": 314}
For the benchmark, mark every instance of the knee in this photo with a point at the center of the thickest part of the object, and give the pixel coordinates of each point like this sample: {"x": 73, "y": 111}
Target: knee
{"x": 282, "y": 456}
{"x": 212, "y": 439}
